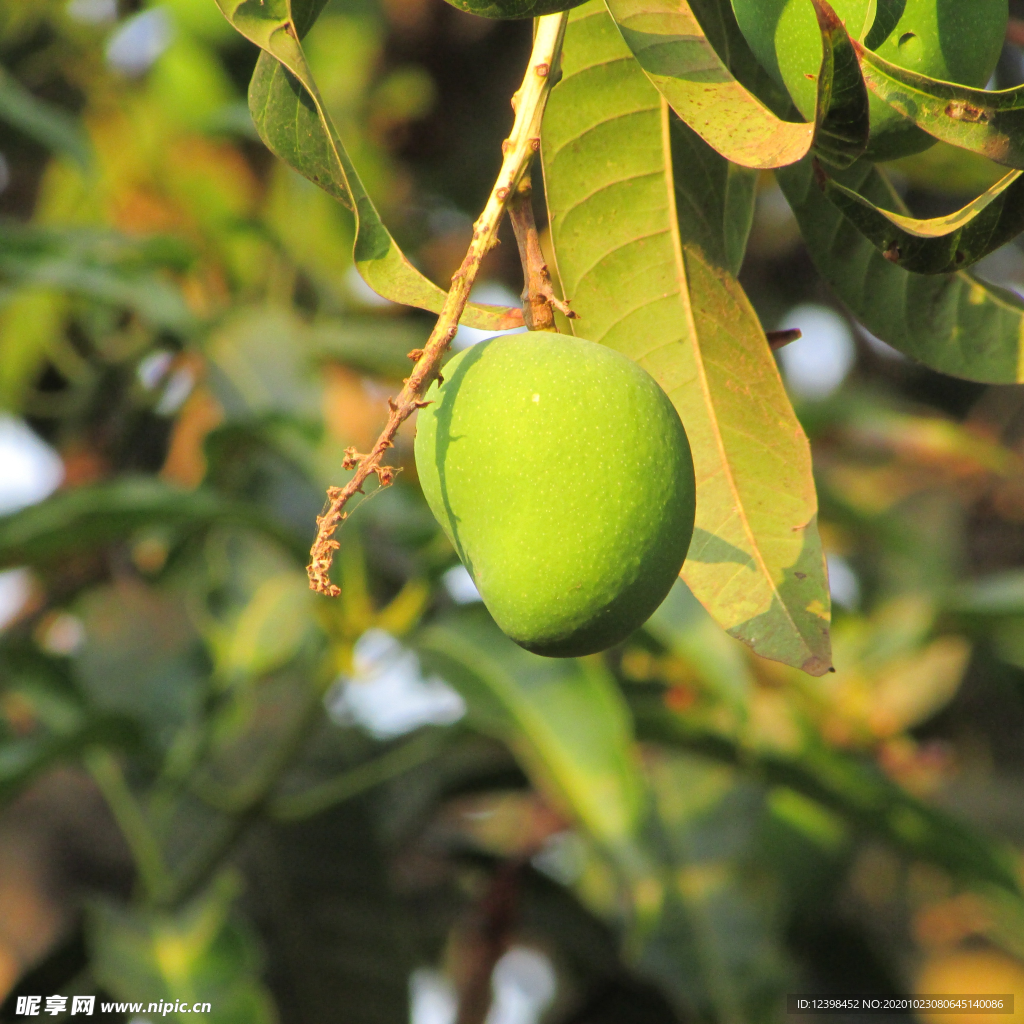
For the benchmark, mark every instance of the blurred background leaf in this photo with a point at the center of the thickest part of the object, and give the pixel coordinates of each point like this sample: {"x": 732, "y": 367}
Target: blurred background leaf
{"x": 216, "y": 786}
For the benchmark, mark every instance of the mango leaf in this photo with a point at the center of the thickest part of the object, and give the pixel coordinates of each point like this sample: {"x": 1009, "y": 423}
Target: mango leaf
{"x": 954, "y": 323}
{"x": 88, "y": 517}
{"x": 23, "y": 760}
{"x": 647, "y": 223}
{"x": 939, "y": 245}
{"x": 683, "y": 626}
{"x": 48, "y": 125}
{"x": 565, "y": 718}
{"x": 376, "y": 345}
{"x": 854, "y": 788}
{"x": 676, "y": 54}
{"x": 931, "y": 440}
{"x": 140, "y": 656}
{"x": 64, "y": 723}
{"x": 198, "y": 954}
{"x": 269, "y": 630}
{"x": 293, "y": 122}
{"x": 999, "y": 594}
{"x": 30, "y": 320}
{"x": 982, "y": 121}
{"x": 102, "y": 265}
{"x": 716, "y": 950}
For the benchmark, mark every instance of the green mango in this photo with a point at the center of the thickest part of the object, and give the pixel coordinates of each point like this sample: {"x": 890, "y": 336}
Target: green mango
{"x": 562, "y": 475}
{"x": 514, "y": 10}
{"x": 952, "y": 40}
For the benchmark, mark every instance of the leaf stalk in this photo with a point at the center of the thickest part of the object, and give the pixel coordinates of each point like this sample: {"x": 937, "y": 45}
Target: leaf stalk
{"x": 539, "y": 299}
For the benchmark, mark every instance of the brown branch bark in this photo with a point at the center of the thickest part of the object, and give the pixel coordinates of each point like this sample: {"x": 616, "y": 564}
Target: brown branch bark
{"x": 519, "y": 150}
{"x": 776, "y": 339}
{"x": 539, "y": 299}
{"x": 485, "y": 940}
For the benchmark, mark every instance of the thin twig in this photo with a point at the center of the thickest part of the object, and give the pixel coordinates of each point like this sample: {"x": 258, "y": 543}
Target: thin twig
{"x": 358, "y": 780}
{"x": 486, "y": 939}
{"x": 205, "y": 860}
{"x": 519, "y": 149}
{"x": 539, "y": 299}
{"x": 777, "y": 339}
{"x": 130, "y": 818}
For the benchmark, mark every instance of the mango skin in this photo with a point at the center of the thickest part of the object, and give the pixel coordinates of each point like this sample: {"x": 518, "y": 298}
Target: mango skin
{"x": 952, "y": 40}
{"x": 561, "y": 473}
{"x": 514, "y": 10}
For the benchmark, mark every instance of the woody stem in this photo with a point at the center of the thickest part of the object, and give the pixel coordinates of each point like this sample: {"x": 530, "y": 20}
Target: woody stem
{"x": 539, "y": 299}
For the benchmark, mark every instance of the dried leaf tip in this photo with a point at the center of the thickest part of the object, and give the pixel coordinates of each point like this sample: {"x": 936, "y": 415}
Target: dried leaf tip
{"x": 776, "y": 339}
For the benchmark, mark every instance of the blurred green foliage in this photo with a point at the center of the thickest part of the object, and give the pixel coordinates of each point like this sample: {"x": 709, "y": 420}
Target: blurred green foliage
{"x": 309, "y": 802}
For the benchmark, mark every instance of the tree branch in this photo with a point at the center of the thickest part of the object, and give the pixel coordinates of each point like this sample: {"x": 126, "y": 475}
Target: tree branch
{"x": 485, "y": 940}
{"x": 519, "y": 150}
{"x": 539, "y": 299}
{"x": 359, "y": 779}
{"x": 130, "y": 818}
{"x": 777, "y": 339}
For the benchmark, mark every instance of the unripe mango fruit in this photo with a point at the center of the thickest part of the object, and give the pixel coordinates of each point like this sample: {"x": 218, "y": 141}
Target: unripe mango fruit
{"x": 561, "y": 473}
{"x": 514, "y": 10}
{"x": 952, "y": 40}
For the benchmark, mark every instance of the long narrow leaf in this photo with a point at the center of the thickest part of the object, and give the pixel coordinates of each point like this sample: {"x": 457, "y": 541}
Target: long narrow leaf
{"x": 954, "y": 323}
{"x": 565, "y": 718}
{"x": 88, "y": 517}
{"x": 101, "y": 265}
{"x": 855, "y": 789}
{"x": 642, "y": 213}
{"x": 292, "y": 120}
{"x": 939, "y": 245}
{"x": 676, "y": 54}
{"x": 24, "y": 760}
{"x": 983, "y": 121}
{"x": 50, "y": 126}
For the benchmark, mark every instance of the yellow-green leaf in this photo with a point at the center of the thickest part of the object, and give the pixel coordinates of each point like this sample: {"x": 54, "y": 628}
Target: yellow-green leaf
{"x": 939, "y": 245}
{"x": 671, "y": 45}
{"x": 645, "y": 219}
{"x": 990, "y": 122}
{"x": 954, "y": 323}
{"x": 292, "y": 120}
{"x": 564, "y": 717}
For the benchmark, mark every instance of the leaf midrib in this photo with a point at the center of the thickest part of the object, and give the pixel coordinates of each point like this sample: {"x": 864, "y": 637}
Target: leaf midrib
{"x": 727, "y": 472}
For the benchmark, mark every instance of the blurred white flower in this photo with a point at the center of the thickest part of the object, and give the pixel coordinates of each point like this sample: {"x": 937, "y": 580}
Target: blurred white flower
{"x": 432, "y": 998}
{"x": 818, "y": 363}
{"x": 843, "y": 583}
{"x": 524, "y": 986}
{"x": 490, "y": 293}
{"x": 139, "y": 41}
{"x": 30, "y": 469}
{"x": 460, "y": 586}
{"x": 387, "y": 695}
